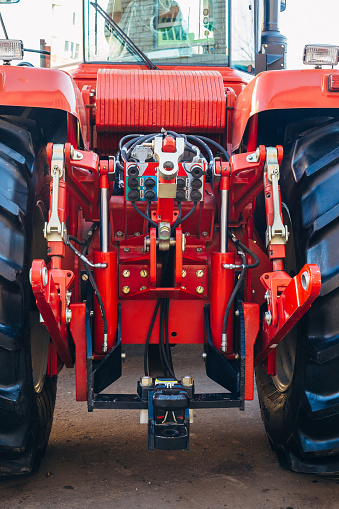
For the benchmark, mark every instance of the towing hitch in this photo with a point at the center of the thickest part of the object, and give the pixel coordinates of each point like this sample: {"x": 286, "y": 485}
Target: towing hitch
{"x": 168, "y": 413}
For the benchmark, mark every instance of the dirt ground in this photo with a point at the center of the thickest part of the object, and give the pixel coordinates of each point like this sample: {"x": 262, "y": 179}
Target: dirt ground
{"x": 100, "y": 459}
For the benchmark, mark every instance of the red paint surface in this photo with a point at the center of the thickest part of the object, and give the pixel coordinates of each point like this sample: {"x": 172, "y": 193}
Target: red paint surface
{"x": 222, "y": 284}
{"x": 42, "y": 88}
{"x": 78, "y": 331}
{"x": 107, "y": 283}
{"x": 252, "y": 322}
{"x": 146, "y": 101}
{"x": 276, "y": 90}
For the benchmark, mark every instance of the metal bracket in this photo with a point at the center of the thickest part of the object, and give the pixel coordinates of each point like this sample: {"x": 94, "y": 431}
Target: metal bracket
{"x": 168, "y": 161}
{"x": 54, "y": 230}
{"x": 290, "y": 298}
{"x": 277, "y": 233}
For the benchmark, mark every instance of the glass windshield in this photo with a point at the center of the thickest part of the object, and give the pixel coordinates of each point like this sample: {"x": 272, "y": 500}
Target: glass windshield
{"x": 167, "y": 31}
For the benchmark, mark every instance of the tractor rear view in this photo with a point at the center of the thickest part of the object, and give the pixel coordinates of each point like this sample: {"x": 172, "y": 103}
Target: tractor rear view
{"x": 163, "y": 195}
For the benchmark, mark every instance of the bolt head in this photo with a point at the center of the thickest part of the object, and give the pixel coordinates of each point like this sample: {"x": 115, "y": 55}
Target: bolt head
{"x": 143, "y": 273}
{"x": 268, "y": 317}
{"x": 237, "y": 312}
{"x": 199, "y": 249}
{"x": 204, "y": 234}
{"x": 126, "y": 289}
{"x": 126, "y": 273}
{"x": 137, "y": 234}
{"x": 200, "y": 289}
{"x": 184, "y": 273}
{"x": 126, "y": 249}
{"x": 199, "y": 273}
{"x": 84, "y": 277}
{"x": 187, "y": 380}
{"x": 119, "y": 234}
{"x": 68, "y": 315}
{"x": 146, "y": 381}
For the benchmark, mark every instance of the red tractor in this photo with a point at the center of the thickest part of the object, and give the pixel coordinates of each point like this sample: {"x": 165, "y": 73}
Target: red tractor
{"x": 161, "y": 194}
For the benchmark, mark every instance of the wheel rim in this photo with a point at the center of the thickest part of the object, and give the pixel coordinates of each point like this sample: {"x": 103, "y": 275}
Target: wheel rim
{"x": 286, "y": 349}
{"x": 285, "y": 352}
{"x": 38, "y": 331}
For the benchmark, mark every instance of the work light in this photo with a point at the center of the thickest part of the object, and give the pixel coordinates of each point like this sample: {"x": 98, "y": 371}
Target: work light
{"x": 11, "y": 49}
{"x": 320, "y": 54}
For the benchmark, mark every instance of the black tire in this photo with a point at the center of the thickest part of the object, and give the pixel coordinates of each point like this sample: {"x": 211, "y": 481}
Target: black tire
{"x": 27, "y": 394}
{"x": 300, "y": 406}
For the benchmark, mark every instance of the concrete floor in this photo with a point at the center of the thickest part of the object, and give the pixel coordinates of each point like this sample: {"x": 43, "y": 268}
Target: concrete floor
{"x": 100, "y": 459}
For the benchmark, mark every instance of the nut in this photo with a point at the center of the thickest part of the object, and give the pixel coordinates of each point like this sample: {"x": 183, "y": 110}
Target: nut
{"x": 137, "y": 234}
{"x": 199, "y": 249}
{"x": 204, "y": 234}
{"x": 119, "y": 234}
{"x": 143, "y": 288}
{"x": 126, "y": 249}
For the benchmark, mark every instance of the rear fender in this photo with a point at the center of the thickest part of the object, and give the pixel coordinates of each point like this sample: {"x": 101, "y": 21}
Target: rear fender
{"x": 44, "y": 89}
{"x": 283, "y": 90}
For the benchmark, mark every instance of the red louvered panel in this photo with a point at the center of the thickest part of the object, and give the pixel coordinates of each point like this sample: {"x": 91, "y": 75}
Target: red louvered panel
{"x": 146, "y": 101}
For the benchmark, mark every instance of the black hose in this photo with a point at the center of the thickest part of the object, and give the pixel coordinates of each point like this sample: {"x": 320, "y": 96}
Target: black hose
{"x": 86, "y": 244}
{"x": 177, "y": 221}
{"x": 247, "y": 250}
{"x": 241, "y": 248}
{"x": 129, "y": 146}
{"x": 149, "y": 336}
{"x": 163, "y": 358}
{"x": 216, "y": 145}
{"x": 165, "y": 354}
{"x": 168, "y": 348}
{"x": 127, "y": 137}
{"x": 203, "y": 145}
{"x": 234, "y": 293}
{"x": 189, "y": 213}
{"x": 151, "y": 222}
{"x": 77, "y": 241}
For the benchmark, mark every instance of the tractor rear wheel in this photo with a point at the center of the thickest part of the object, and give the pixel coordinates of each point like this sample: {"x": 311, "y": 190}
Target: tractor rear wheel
{"x": 27, "y": 394}
{"x": 300, "y": 405}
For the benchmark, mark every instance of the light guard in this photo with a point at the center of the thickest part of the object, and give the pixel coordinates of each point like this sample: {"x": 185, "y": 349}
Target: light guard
{"x": 315, "y": 54}
{"x": 11, "y": 49}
